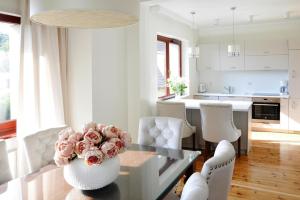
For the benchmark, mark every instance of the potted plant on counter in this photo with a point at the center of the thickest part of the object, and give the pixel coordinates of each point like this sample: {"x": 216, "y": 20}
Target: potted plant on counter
{"x": 177, "y": 85}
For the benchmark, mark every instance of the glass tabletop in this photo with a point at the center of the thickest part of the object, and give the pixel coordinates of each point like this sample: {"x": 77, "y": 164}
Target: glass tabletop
{"x": 146, "y": 173}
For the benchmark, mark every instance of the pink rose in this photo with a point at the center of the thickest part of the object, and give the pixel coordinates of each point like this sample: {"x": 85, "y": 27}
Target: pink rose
{"x": 125, "y": 137}
{"x": 88, "y": 126}
{"x": 60, "y": 160}
{"x": 75, "y": 137}
{"x": 109, "y": 149}
{"x": 65, "y": 148}
{"x": 93, "y": 136}
{"x": 100, "y": 127}
{"x": 94, "y": 156}
{"x": 82, "y": 147}
{"x": 119, "y": 143}
{"x": 111, "y": 131}
{"x": 65, "y": 133}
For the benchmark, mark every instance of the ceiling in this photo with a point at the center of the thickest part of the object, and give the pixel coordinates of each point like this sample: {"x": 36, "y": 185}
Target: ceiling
{"x": 217, "y": 12}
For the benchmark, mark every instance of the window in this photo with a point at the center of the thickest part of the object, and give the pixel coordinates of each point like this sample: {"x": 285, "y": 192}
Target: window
{"x": 169, "y": 63}
{"x": 9, "y": 62}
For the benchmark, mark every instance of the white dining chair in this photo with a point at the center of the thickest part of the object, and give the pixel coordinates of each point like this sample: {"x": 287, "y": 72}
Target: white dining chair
{"x": 5, "y": 173}
{"x": 39, "y": 147}
{"x": 177, "y": 110}
{"x": 195, "y": 188}
{"x": 160, "y": 132}
{"x": 217, "y": 125}
{"x": 218, "y": 170}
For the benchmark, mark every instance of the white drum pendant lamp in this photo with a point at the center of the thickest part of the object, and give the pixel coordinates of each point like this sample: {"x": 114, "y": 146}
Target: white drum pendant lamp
{"x": 84, "y": 13}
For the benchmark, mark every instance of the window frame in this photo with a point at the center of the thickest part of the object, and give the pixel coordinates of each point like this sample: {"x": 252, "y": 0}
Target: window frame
{"x": 167, "y": 41}
{"x": 8, "y": 129}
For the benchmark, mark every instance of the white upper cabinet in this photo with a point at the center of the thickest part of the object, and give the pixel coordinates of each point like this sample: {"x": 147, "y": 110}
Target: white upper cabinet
{"x": 209, "y": 58}
{"x": 294, "y": 73}
{"x": 266, "y": 47}
{"x": 294, "y": 44}
{"x": 266, "y": 55}
{"x": 271, "y": 62}
{"x": 229, "y": 63}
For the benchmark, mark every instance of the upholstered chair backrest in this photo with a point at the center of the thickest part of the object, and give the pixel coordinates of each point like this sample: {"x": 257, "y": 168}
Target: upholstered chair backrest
{"x": 195, "y": 188}
{"x": 171, "y": 109}
{"x": 160, "y": 132}
{"x": 217, "y": 122}
{"x": 5, "y": 173}
{"x": 39, "y": 147}
{"x": 218, "y": 171}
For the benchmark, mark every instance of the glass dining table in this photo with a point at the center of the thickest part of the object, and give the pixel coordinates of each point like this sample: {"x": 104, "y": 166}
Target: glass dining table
{"x": 146, "y": 173}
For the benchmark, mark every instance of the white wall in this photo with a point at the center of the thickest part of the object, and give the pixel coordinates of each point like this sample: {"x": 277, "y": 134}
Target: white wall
{"x": 109, "y": 77}
{"x": 103, "y": 77}
{"x": 10, "y": 6}
{"x": 151, "y": 24}
{"x": 79, "y": 77}
{"x": 247, "y": 81}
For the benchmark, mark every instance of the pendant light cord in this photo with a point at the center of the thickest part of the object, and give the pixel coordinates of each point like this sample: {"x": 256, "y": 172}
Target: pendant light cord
{"x": 233, "y": 28}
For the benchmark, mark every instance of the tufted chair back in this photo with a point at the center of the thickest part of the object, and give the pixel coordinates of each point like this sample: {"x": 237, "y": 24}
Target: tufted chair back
{"x": 222, "y": 115}
{"x": 39, "y": 147}
{"x": 5, "y": 174}
{"x": 218, "y": 170}
{"x": 160, "y": 132}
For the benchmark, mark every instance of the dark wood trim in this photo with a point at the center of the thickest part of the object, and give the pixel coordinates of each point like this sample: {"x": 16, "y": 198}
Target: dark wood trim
{"x": 167, "y": 41}
{"x": 10, "y": 19}
{"x": 8, "y": 129}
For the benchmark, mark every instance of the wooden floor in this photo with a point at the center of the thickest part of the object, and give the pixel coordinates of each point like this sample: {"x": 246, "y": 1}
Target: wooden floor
{"x": 270, "y": 171}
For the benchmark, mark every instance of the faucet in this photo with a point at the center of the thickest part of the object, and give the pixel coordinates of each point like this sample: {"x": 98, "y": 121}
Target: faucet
{"x": 229, "y": 89}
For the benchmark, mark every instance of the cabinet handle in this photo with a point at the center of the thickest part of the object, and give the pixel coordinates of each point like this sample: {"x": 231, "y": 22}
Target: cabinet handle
{"x": 267, "y": 67}
{"x": 232, "y": 67}
{"x": 266, "y": 52}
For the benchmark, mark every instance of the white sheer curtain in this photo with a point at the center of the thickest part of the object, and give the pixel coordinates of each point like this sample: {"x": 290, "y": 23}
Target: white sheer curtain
{"x": 41, "y": 80}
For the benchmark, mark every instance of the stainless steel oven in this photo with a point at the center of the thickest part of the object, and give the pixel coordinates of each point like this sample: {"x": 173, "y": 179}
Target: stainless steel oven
{"x": 266, "y": 110}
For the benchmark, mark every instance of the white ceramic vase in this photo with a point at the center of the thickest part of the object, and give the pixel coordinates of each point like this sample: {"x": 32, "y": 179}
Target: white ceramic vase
{"x": 82, "y": 176}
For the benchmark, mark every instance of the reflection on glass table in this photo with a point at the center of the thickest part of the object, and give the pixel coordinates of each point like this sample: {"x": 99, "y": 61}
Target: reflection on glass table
{"x": 146, "y": 173}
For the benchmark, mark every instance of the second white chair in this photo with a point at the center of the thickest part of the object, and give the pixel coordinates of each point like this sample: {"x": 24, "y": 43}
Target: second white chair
{"x": 39, "y": 147}
{"x": 160, "y": 132}
{"x": 218, "y": 125}
{"x": 177, "y": 110}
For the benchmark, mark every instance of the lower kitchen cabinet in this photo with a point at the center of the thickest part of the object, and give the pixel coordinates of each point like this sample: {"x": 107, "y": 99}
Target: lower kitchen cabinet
{"x": 294, "y": 114}
{"x": 284, "y": 114}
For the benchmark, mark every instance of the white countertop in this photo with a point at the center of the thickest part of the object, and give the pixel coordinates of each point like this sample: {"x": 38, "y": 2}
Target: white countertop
{"x": 243, "y": 106}
{"x": 239, "y": 95}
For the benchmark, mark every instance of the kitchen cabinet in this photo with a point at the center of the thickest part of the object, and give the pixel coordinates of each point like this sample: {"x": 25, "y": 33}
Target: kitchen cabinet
{"x": 266, "y": 47}
{"x": 271, "y": 62}
{"x": 294, "y": 44}
{"x": 294, "y": 114}
{"x": 284, "y": 114}
{"x": 209, "y": 57}
{"x": 229, "y": 63}
{"x": 294, "y": 73}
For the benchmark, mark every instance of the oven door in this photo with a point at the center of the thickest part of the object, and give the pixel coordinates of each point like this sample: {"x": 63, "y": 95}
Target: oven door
{"x": 266, "y": 112}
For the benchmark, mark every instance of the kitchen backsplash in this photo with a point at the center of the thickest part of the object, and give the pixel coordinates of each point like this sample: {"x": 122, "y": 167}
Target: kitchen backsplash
{"x": 243, "y": 81}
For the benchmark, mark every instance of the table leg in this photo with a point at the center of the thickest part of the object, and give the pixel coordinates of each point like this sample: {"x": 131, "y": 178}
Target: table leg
{"x": 189, "y": 172}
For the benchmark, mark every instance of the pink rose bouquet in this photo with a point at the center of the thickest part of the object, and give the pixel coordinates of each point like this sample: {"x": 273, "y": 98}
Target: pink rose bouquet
{"x": 97, "y": 143}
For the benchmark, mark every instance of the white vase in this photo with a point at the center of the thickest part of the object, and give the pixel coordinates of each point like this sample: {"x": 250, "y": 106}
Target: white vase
{"x": 82, "y": 176}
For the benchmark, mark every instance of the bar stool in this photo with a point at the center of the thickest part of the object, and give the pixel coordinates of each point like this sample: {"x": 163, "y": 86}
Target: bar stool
{"x": 177, "y": 110}
{"x": 218, "y": 125}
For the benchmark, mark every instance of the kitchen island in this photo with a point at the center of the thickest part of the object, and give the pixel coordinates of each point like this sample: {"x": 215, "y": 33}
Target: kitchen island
{"x": 242, "y": 114}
